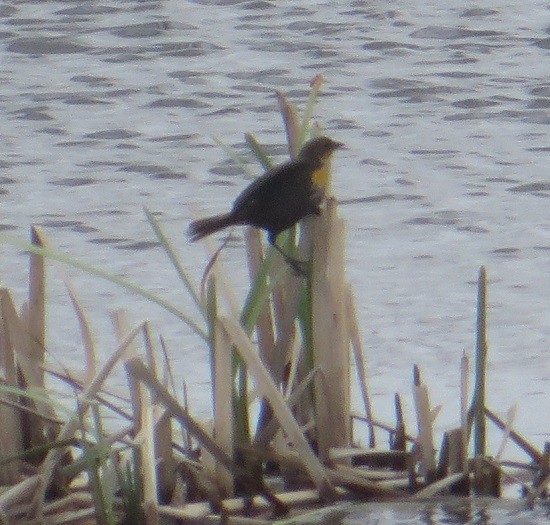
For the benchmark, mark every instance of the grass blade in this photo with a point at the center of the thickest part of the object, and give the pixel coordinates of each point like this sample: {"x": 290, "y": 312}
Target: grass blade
{"x": 115, "y": 279}
{"x": 174, "y": 259}
{"x": 259, "y": 151}
{"x": 316, "y": 84}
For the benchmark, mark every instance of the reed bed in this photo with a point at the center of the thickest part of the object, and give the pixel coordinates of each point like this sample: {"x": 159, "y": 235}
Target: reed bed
{"x": 282, "y": 438}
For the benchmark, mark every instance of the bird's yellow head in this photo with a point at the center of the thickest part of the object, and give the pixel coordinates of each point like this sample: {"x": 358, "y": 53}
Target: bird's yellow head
{"x": 320, "y": 150}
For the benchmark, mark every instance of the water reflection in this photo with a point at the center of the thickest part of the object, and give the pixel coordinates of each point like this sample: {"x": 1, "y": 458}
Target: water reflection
{"x": 453, "y": 511}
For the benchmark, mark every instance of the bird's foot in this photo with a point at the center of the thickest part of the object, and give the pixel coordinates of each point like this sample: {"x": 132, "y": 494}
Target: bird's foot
{"x": 300, "y": 268}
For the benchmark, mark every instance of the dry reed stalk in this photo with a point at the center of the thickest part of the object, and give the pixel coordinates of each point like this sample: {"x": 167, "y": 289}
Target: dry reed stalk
{"x": 270, "y": 391}
{"x": 187, "y": 441}
{"x": 269, "y": 430}
{"x": 199, "y": 511}
{"x": 232, "y": 520}
{"x": 119, "y": 321}
{"x": 425, "y": 431}
{"x": 519, "y": 440}
{"x": 148, "y": 471}
{"x": 37, "y": 301}
{"x": 162, "y": 424}
{"x": 160, "y": 439}
{"x": 330, "y": 333}
{"x": 32, "y": 348}
{"x": 29, "y": 372}
{"x": 308, "y": 125}
{"x": 11, "y": 437}
{"x": 164, "y": 454}
{"x": 163, "y": 436}
{"x": 464, "y": 392}
{"x": 452, "y": 462}
{"x": 353, "y": 480}
{"x": 74, "y": 508}
{"x": 457, "y": 460}
{"x": 359, "y": 357}
{"x": 401, "y": 463}
{"x": 23, "y": 491}
{"x": 150, "y": 352}
{"x": 368, "y": 455}
{"x": 85, "y": 516}
{"x": 381, "y": 476}
{"x": 223, "y": 406}
{"x": 121, "y": 324}
{"x": 292, "y": 123}
{"x": 73, "y": 517}
{"x": 189, "y": 512}
{"x": 510, "y": 417}
{"x": 440, "y": 486}
{"x": 90, "y": 356}
{"x": 7, "y": 350}
{"x": 486, "y": 477}
{"x": 398, "y": 440}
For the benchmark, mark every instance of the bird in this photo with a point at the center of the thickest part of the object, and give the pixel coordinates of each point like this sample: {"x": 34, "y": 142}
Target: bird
{"x": 279, "y": 198}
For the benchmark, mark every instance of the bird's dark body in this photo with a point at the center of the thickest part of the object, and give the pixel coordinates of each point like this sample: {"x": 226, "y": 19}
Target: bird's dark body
{"x": 278, "y": 199}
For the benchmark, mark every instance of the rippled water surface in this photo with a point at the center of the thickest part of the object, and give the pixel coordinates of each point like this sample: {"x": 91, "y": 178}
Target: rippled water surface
{"x": 444, "y": 106}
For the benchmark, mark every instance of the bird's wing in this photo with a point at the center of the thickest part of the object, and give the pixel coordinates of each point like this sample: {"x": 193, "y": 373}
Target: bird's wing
{"x": 271, "y": 182}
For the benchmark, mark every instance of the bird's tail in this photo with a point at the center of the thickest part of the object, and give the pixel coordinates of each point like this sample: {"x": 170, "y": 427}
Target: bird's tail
{"x": 203, "y": 227}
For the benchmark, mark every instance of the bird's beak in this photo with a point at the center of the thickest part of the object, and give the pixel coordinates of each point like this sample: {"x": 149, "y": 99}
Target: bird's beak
{"x": 339, "y": 145}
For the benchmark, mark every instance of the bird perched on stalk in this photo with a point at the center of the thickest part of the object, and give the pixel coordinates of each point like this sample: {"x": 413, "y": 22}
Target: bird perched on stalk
{"x": 279, "y": 198}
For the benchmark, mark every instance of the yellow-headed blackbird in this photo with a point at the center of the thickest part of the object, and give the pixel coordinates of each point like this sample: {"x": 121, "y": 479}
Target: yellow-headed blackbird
{"x": 281, "y": 197}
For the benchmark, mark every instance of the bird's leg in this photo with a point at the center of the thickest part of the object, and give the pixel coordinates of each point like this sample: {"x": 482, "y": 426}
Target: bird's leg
{"x": 301, "y": 268}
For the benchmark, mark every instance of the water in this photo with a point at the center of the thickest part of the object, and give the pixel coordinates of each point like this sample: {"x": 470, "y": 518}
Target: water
{"x": 451, "y": 511}
{"x": 109, "y": 107}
